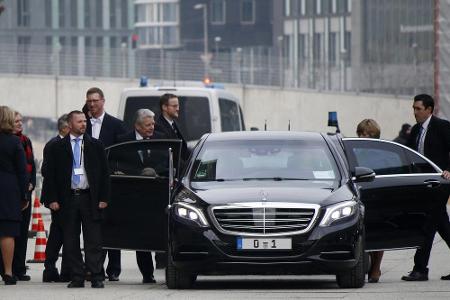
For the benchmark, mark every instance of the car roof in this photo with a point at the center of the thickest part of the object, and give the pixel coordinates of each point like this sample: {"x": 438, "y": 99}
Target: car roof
{"x": 265, "y": 135}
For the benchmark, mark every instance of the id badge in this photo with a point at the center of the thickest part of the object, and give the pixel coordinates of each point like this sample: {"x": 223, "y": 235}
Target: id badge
{"x": 78, "y": 171}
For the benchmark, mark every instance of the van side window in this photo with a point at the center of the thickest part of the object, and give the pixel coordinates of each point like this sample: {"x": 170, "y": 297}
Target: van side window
{"x": 229, "y": 115}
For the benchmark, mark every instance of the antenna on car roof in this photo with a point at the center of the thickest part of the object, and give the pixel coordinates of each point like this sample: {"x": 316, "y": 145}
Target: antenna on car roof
{"x": 265, "y": 125}
{"x": 289, "y": 125}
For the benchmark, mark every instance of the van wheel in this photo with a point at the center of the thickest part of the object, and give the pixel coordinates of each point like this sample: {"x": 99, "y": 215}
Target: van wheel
{"x": 356, "y": 276}
{"x": 177, "y": 278}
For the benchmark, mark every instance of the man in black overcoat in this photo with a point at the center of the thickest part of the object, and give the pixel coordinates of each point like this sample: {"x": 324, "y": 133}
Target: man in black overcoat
{"x": 431, "y": 137}
{"x": 77, "y": 187}
{"x": 105, "y": 128}
{"x": 144, "y": 125}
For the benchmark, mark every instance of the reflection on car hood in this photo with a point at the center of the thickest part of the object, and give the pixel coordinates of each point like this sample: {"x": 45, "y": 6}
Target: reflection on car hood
{"x": 226, "y": 195}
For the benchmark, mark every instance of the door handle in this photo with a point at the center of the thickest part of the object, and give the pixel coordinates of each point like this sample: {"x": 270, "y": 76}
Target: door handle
{"x": 432, "y": 183}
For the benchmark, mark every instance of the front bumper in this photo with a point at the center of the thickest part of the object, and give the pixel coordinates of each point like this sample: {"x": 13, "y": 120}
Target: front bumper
{"x": 323, "y": 250}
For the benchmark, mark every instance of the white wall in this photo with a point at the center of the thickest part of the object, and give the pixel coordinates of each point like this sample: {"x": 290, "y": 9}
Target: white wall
{"x": 307, "y": 110}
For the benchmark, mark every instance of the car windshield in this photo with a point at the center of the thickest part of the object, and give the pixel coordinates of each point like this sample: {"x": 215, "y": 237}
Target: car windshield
{"x": 274, "y": 160}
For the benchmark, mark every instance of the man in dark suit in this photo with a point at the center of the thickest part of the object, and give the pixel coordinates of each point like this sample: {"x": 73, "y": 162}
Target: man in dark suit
{"x": 78, "y": 186}
{"x": 166, "y": 124}
{"x": 144, "y": 125}
{"x": 431, "y": 137}
{"x": 55, "y": 238}
{"x": 105, "y": 128}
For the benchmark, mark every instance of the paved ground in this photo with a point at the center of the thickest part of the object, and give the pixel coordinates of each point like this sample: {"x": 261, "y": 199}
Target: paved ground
{"x": 395, "y": 264}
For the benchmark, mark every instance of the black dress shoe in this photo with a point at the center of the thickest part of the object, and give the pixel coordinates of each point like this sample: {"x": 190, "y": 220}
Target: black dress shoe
{"x": 76, "y": 284}
{"x": 150, "y": 279}
{"x": 50, "y": 276}
{"x": 445, "y": 277}
{"x": 9, "y": 279}
{"x": 97, "y": 284}
{"x": 113, "y": 277}
{"x": 415, "y": 276}
{"x": 23, "y": 277}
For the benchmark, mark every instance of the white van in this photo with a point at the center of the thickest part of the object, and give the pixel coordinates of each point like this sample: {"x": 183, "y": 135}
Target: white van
{"x": 202, "y": 110}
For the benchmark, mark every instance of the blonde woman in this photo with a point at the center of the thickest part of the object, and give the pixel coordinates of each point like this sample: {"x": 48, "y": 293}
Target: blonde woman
{"x": 369, "y": 128}
{"x": 13, "y": 187}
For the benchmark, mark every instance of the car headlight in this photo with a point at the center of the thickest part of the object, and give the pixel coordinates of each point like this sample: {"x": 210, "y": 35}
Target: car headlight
{"x": 190, "y": 212}
{"x": 339, "y": 211}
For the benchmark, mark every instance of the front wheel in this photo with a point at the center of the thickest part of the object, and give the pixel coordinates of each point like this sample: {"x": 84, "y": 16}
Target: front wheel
{"x": 356, "y": 276}
{"x": 177, "y": 278}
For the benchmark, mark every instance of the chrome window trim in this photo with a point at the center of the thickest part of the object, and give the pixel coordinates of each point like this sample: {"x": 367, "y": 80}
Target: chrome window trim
{"x": 263, "y": 204}
{"x": 438, "y": 170}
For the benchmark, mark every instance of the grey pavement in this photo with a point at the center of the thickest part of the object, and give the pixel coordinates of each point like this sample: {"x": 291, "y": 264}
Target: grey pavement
{"x": 395, "y": 264}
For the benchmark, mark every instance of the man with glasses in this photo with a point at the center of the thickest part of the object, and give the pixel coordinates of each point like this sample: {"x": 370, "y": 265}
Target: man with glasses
{"x": 105, "y": 128}
{"x": 166, "y": 125}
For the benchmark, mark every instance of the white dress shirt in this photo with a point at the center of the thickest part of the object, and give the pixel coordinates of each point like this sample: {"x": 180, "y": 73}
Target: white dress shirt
{"x": 83, "y": 184}
{"x": 423, "y": 135}
{"x": 97, "y": 125}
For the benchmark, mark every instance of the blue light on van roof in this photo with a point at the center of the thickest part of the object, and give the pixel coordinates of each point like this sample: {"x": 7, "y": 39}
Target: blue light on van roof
{"x": 143, "y": 81}
{"x": 215, "y": 86}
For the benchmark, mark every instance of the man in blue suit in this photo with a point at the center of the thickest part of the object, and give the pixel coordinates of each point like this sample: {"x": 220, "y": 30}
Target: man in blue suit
{"x": 105, "y": 128}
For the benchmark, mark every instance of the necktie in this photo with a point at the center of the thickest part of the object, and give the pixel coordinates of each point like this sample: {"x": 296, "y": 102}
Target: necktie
{"x": 419, "y": 138}
{"x": 174, "y": 128}
{"x": 76, "y": 161}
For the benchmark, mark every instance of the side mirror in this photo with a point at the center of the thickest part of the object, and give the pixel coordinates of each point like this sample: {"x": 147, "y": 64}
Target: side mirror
{"x": 362, "y": 174}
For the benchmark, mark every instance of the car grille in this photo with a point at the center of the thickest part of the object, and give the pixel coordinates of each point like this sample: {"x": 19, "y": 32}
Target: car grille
{"x": 264, "y": 219}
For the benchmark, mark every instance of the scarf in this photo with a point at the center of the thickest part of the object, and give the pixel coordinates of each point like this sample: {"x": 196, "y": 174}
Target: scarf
{"x": 26, "y": 143}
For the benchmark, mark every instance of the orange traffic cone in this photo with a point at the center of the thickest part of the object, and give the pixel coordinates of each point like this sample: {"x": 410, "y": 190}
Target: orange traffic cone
{"x": 35, "y": 217}
{"x": 41, "y": 242}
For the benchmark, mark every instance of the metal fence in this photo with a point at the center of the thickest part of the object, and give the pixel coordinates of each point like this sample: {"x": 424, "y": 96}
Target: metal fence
{"x": 255, "y": 66}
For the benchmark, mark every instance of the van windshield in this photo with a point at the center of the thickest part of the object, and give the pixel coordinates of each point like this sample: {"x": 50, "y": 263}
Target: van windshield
{"x": 194, "y": 117}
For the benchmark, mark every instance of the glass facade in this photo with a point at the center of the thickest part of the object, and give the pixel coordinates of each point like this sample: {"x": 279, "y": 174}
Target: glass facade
{"x": 157, "y": 23}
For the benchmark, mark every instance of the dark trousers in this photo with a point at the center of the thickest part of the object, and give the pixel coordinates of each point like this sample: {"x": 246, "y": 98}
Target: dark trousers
{"x": 114, "y": 262}
{"x": 145, "y": 263}
{"x": 438, "y": 222}
{"x": 54, "y": 245}
{"x": 77, "y": 213}
{"x": 21, "y": 242}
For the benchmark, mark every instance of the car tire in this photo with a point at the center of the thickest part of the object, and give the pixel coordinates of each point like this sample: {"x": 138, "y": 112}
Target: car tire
{"x": 177, "y": 278}
{"x": 356, "y": 276}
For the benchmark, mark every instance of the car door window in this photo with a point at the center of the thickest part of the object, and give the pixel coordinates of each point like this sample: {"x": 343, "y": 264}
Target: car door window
{"x": 419, "y": 164}
{"x": 229, "y": 115}
{"x": 382, "y": 157}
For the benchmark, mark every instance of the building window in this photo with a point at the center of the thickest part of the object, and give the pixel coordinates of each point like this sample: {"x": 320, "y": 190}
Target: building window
{"x": 157, "y": 24}
{"x": 318, "y": 7}
{"x": 124, "y": 13}
{"x": 302, "y": 7}
{"x": 333, "y": 6}
{"x": 99, "y": 14}
{"x": 349, "y": 6}
{"x": 342, "y": 6}
{"x": 73, "y": 14}
{"x": 218, "y": 11}
{"x": 302, "y": 49}
{"x": 326, "y": 7}
{"x": 48, "y": 13}
{"x": 332, "y": 47}
{"x": 248, "y": 11}
{"x": 62, "y": 13}
{"x": 287, "y": 8}
{"x": 23, "y": 13}
{"x": 87, "y": 14}
{"x": 112, "y": 14}
{"x": 348, "y": 47}
{"x": 317, "y": 48}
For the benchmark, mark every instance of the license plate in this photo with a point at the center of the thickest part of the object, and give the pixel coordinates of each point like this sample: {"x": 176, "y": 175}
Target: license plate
{"x": 263, "y": 244}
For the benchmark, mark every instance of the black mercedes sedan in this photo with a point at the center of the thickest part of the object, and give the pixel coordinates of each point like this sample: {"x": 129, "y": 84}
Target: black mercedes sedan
{"x": 270, "y": 203}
